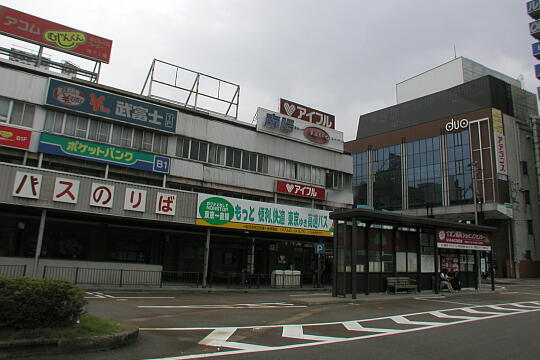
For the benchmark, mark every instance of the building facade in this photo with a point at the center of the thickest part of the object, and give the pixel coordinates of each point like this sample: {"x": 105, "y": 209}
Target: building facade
{"x": 97, "y": 177}
{"x": 434, "y": 154}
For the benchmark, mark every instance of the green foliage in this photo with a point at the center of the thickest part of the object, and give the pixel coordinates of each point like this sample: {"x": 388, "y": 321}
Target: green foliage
{"x": 39, "y": 303}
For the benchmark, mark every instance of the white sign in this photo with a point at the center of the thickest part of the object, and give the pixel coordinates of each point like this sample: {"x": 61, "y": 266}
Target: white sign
{"x": 166, "y": 204}
{"x": 278, "y": 124}
{"x": 500, "y": 149}
{"x": 135, "y": 200}
{"x": 102, "y": 195}
{"x": 456, "y": 125}
{"x": 66, "y": 190}
{"x": 27, "y": 185}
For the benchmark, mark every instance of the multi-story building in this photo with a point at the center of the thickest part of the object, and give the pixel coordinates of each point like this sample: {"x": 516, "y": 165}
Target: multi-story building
{"x": 459, "y": 132}
{"x": 97, "y": 177}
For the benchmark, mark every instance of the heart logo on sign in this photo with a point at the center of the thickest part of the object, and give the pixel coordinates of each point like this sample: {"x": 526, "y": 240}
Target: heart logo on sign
{"x": 289, "y": 108}
{"x": 289, "y": 187}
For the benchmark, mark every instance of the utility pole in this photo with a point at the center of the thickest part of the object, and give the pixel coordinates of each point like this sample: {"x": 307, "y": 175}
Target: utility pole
{"x": 475, "y": 199}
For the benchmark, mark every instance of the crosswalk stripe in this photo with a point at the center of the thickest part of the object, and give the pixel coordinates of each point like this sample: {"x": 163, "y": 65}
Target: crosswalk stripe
{"x": 472, "y": 311}
{"x": 403, "y": 320}
{"x": 219, "y": 338}
{"x": 356, "y": 326}
{"x": 297, "y": 332}
{"x": 442, "y": 315}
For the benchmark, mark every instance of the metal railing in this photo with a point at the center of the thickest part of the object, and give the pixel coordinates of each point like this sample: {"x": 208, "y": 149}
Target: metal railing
{"x": 121, "y": 277}
{"x": 12, "y": 270}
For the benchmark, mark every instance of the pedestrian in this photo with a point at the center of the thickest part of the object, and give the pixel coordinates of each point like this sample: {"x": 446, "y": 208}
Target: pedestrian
{"x": 445, "y": 280}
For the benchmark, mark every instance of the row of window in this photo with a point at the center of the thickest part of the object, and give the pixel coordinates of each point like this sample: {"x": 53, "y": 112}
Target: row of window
{"x": 20, "y": 113}
{"x": 102, "y": 131}
{"x": 194, "y": 149}
{"x": 16, "y": 112}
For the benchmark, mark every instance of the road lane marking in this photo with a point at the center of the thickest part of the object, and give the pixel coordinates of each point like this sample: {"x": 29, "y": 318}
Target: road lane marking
{"x": 99, "y": 295}
{"x": 226, "y": 306}
{"x": 222, "y": 334}
{"x": 403, "y": 320}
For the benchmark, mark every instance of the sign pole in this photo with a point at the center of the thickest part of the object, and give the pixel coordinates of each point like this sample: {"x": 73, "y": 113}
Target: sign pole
{"x": 206, "y": 257}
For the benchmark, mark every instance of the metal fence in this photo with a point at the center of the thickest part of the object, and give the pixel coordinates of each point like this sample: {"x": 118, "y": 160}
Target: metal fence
{"x": 121, "y": 277}
{"x": 12, "y": 270}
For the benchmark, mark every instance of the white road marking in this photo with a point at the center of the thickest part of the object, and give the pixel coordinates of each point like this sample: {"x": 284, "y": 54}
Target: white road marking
{"x": 444, "y": 301}
{"x": 220, "y": 335}
{"x": 99, "y": 295}
{"x": 355, "y": 326}
{"x": 228, "y": 306}
{"x": 403, "y": 320}
{"x": 297, "y": 332}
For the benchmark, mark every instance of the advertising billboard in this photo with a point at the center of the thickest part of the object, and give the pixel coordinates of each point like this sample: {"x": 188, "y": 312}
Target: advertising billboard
{"x": 455, "y": 239}
{"x": 50, "y": 34}
{"x": 15, "y": 138}
{"x": 106, "y": 154}
{"x": 234, "y": 213}
{"x": 307, "y": 191}
{"x": 99, "y": 103}
{"x": 294, "y": 129}
{"x": 305, "y": 113}
{"x": 500, "y": 142}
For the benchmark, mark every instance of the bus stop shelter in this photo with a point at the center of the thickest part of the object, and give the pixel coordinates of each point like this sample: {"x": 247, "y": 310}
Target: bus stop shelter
{"x": 370, "y": 246}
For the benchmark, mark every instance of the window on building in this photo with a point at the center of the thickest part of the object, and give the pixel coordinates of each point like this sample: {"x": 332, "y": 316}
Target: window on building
{"x": 216, "y": 154}
{"x": 262, "y": 164}
{"x": 524, "y": 169}
{"x": 530, "y": 228}
{"x": 182, "y": 147}
{"x": 22, "y": 114}
{"x": 4, "y": 109}
{"x": 527, "y": 196}
{"x": 54, "y": 121}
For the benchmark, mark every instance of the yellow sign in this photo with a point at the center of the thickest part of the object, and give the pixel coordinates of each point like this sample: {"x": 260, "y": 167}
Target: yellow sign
{"x": 498, "y": 127}
{"x": 268, "y": 228}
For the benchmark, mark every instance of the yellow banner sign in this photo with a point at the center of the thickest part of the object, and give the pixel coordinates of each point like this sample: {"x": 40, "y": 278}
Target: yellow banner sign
{"x": 268, "y": 228}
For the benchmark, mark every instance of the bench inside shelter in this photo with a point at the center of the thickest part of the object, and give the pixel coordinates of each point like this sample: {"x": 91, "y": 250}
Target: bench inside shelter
{"x": 400, "y": 283}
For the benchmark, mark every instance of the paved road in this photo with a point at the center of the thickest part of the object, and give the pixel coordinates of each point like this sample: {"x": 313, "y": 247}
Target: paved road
{"x": 285, "y": 325}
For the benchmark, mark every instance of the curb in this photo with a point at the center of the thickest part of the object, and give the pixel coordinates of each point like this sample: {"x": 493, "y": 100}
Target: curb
{"x": 22, "y": 348}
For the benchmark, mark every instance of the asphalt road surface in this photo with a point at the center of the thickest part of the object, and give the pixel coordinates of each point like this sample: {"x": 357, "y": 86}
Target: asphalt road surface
{"x": 289, "y": 325}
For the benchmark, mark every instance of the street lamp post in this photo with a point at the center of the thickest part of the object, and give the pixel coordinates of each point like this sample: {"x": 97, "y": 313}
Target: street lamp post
{"x": 475, "y": 199}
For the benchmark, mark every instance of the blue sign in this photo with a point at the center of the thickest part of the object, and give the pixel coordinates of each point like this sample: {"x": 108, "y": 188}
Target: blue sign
{"x": 537, "y": 70}
{"x": 102, "y": 153}
{"x": 536, "y": 50}
{"x": 538, "y": 92}
{"x": 277, "y": 122}
{"x": 319, "y": 248}
{"x": 111, "y": 106}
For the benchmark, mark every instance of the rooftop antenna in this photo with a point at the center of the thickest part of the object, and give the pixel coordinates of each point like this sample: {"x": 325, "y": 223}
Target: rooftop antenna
{"x": 455, "y": 53}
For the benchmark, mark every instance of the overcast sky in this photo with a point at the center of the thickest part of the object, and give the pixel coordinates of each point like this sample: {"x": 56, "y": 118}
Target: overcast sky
{"x": 341, "y": 57}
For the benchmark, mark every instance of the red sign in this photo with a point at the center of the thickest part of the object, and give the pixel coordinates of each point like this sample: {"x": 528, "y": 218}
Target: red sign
{"x": 316, "y": 135}
{"x": 43, "y": 32}
{"x": 311, "y": 192}
{"x": 455, "y": 239}
{"x": 305, "y": 113}
{"x": 16, "y": 138}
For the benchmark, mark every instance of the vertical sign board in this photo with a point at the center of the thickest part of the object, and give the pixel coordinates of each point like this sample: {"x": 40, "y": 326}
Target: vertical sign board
{"x": 104, "y": 104}
{"x": 500, "y": 142}
{"x": 59, "y": 37}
